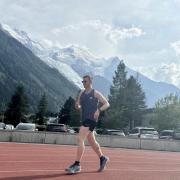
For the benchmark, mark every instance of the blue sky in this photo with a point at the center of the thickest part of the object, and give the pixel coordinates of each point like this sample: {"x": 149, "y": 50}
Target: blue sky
{"x": 145, "y": 33}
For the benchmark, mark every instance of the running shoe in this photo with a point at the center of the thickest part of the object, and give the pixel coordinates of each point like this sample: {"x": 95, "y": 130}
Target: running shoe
{"x": 73, "y": 169}
{"x": 103, "y": 163}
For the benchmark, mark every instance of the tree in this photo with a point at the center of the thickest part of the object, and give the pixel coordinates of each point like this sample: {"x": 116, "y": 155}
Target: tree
{"x": 2, "y": 111}
{"x": 117, "y": 98}
{"x": 68, "y": 114}
{"x": 135, "y": 102}
{"x": 127, "y": 101}
{"x": 42, "y": 109}
{"x": 119, "y": 84}
{"x": 17, "y": 107}
{"x": 167, "y": 113}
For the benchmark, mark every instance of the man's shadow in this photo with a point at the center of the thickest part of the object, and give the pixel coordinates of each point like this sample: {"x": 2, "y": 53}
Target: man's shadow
{"x": 33, "y": 177}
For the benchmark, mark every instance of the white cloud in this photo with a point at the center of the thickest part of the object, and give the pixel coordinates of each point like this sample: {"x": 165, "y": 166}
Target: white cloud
{"x": 110, "y": 33}
{"x": 165, "y": 72}
{"x": 176, "y": 47}
{"x": 115, "y": 35}
{"x": 47, "y": 43}
{"x": 141, "y": 32}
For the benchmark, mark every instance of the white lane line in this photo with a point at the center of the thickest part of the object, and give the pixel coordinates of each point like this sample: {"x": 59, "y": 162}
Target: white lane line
{"x": 33, "y": 170}
{"x": 93, "y": 155}
{"x": 118, "y": 158}
{"x": 91, "y": 161}
{"x": 90, "y": 170}
{"x": 57, "y": 161}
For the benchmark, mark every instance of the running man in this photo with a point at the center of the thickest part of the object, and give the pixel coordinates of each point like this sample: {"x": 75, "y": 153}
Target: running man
{"x": 87, "y": 103}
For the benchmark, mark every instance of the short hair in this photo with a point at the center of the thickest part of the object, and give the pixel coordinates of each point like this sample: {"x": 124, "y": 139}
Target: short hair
{"x": 89, "y": 77}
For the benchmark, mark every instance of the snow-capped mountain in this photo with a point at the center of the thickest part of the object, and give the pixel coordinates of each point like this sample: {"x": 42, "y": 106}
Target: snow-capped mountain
{"x": 44, "y": 54}
{"x": 73, "y": 62}
{"x": 18, "y": 65}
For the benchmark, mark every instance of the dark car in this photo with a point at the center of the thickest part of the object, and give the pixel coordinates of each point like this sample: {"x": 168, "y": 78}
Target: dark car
{"x": 176, "y": 134}
{"x": 56, "y": 128}
{"x": 166, "y": 134}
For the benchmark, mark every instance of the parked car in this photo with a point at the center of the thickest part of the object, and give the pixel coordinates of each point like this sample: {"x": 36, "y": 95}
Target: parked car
{"x": 56, "y": 127}
{"x": 144, "y": 132}
{"x": 115, "y": 132}
{"x": 26, "y": 127}
{"x": 149, "y": 134}
{"x": 71, "y": 130}
{"x": 110, "y": 132}
{"x": 135, "y": 132}
{"x": 166, "y": 134}
{"x": 2, "y": 125}
{"x": 9, "y": 127}
{"x": 176, "y": 134}
{"x": 41, "y": 127}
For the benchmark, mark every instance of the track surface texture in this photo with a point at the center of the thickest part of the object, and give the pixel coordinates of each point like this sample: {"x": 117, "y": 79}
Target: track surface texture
{"x": 36, "y": 161}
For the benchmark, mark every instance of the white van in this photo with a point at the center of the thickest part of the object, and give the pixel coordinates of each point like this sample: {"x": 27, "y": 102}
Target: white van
{"x": 144, "y": 132}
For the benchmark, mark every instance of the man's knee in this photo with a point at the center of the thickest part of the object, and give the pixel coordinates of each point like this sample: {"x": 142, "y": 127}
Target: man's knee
{"x": 80, "y": 141}
{"x": 95, "y": 144}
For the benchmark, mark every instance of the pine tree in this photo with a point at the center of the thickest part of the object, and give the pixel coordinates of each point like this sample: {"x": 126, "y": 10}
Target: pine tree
{"x": 17, "y": 107}
{"x": 42, "y": 109}
{"x": 119, "y": 84}
{"x": 64, "y": 114}
{"x": 127, "y": 101}
{"x": 135, "y": 102}
{"x": 75, "y": 118}
{"x": 68, "y": 114}
{"x": 117, "y": 98}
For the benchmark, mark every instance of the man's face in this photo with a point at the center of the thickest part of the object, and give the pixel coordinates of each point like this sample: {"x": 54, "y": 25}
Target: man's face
{"x": 86, "y": 82}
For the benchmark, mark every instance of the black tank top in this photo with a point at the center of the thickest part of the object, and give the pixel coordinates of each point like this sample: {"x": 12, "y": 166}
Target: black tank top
{"x": 89, "y": 105}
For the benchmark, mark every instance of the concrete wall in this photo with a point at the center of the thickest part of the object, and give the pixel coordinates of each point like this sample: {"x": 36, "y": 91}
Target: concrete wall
{"x": 160, "y": 145}
{"x": 60, "y": 138}
{"x": 28, "y": 137}
{"x": 117, "y": 141}
{"x": 104, "y": 140}
{"x": 5, "y": 136}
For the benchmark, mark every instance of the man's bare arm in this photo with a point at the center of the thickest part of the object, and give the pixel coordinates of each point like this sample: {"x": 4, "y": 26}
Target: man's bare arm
{"x": 78, "y": 104}
{"x": 102, "y": 100}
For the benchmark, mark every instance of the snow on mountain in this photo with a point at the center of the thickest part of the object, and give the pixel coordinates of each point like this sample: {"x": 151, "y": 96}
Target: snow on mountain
{"x": 80, "y": 59}
{"x": 73, "y": 62}
{"x": 44, "y": 54}
{"x": 23, "y": 37}
{"x": 165, "y": 72}
{"x": 65, "y": 70}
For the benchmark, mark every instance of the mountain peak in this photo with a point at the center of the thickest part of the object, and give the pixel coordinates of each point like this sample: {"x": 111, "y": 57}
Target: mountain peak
{"x": 77, "y": 51}
{"x": 23, "y": 38}
{"x": 17, "y": 34}
{"x": 74, "y": 61}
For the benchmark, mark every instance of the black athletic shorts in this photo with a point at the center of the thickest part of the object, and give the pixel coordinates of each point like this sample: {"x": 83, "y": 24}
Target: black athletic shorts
{"x": 89, "y": 123}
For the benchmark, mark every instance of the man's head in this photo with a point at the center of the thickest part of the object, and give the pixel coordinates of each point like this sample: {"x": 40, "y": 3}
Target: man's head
{"x": 87, "y": 81}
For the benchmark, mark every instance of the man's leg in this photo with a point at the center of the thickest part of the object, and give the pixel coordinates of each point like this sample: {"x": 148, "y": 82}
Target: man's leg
{"x": 83, "y": 133}
{"x": 94, "y": 144}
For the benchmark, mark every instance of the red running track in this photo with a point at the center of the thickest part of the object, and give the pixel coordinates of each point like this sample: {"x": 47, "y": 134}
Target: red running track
{"x": 36, "y": 162}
